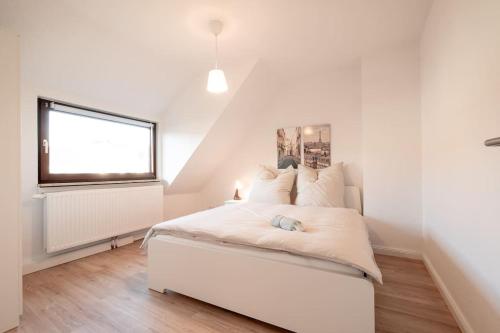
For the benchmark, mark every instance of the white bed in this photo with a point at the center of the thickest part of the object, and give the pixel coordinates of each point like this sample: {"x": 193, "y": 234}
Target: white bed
{"x": 296, "y": 292}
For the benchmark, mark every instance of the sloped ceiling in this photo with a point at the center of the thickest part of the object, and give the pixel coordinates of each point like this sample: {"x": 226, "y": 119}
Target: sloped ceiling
{"x": 232, "y": 126}
{"x": 141, "y": 54}
{"x": 192, "y": 115}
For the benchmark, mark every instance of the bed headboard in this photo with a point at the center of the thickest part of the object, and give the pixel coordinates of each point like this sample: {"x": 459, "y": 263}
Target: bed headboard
{"x": 352, "y": 198}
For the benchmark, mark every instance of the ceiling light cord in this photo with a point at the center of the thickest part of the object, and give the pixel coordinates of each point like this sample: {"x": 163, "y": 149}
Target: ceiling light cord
{"x": 216, "y": 52}
{"x": 216, "y": 82}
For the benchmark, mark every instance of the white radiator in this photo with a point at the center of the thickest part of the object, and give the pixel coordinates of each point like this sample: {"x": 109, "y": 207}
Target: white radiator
{"x": 74, "y": 218}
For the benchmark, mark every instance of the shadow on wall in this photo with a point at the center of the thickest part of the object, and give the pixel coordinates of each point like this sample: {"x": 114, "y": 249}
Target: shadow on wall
{"x": 383, "y": 233}
{"x": 466, "y": 287}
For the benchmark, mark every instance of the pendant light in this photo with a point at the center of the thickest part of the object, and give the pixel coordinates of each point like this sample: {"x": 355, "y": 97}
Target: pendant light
{"x": 216, "y": 79}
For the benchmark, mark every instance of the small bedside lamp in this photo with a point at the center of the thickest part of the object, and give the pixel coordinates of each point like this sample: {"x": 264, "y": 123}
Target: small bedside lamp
{"x": 236, "y": 194}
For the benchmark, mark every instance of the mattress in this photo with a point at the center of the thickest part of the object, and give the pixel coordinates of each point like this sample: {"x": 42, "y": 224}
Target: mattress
{"x": 266, "y": 254}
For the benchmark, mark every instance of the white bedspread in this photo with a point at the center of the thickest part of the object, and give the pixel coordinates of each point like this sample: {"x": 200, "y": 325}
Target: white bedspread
{"x": 335, "y": 234}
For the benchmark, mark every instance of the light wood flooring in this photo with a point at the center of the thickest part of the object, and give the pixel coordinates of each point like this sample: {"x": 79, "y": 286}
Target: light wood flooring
{"x": 107, "y": 292}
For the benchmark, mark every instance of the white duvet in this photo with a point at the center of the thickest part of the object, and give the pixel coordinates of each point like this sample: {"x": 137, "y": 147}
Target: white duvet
{"x": 335, "y": 234}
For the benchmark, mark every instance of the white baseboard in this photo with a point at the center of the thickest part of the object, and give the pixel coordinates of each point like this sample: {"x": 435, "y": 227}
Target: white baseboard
{"x": 63, "y": 258}
{"x": 455, "y": 310}
{"x": 396, "y": 252}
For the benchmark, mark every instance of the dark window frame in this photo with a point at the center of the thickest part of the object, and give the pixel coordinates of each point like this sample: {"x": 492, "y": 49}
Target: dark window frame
{"x": 44, "y": 177}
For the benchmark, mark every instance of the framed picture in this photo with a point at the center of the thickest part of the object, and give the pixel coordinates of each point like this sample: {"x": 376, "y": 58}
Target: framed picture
{"x": 288, "y": 143}
{"x": 317, "y": 148}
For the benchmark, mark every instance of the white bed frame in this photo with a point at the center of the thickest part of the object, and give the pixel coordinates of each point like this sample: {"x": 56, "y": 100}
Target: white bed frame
{"x": 292, "y": 296}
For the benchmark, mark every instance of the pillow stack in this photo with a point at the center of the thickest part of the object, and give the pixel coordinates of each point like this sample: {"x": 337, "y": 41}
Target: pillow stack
{"x": 319, "y": 188}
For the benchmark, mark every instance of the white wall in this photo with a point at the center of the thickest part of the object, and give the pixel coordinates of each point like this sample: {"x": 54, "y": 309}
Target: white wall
{"x": 38, "y": 80}
{"x": 175, "y": 205}
{"x": 10, "y": 278}
{"x": 332, "y": 97}
{"x": 391, "y": 147}
{"x": 460, "y": 70}
{"x": 373, "y": 108}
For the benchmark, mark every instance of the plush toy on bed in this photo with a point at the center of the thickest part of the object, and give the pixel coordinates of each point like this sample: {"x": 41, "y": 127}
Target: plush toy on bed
{"x": 287, "y": 223}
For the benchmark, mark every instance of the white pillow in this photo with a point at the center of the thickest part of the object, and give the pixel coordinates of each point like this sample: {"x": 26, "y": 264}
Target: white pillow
{"x": 272, "y": 185}
{"x": 323, "y": 187}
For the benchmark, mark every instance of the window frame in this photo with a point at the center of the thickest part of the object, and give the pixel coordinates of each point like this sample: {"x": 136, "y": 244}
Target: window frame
{"x": 45, "y": 177}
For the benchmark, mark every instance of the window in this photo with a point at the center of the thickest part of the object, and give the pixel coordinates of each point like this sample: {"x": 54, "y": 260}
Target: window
{"x": 77, "y": 144}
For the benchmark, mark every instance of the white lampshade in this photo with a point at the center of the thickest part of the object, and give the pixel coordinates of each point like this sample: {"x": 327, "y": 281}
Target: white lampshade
{"x": 216, "y": 81}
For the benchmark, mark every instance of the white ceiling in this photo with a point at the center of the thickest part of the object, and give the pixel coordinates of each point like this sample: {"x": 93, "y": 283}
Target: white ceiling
{"x": 147, "y": 50}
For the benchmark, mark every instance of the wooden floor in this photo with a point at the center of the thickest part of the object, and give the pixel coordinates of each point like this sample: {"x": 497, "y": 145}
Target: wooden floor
{"x": 107, "y": 292}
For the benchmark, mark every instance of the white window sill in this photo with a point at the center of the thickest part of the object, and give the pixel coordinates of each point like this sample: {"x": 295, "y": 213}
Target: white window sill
{"x": 58, "y": 187}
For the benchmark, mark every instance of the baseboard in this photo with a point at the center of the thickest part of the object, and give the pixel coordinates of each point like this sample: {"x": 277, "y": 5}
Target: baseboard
{"x": 455, "y": 310}
{"x": 396, "y": 252}
{"x": 77, "y": 254}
